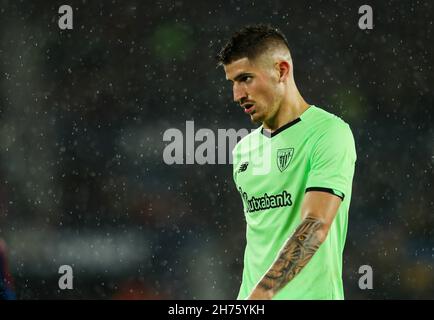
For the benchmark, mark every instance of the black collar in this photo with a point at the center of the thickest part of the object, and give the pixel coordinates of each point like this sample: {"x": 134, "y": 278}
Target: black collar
{"x": 282, "y": 128}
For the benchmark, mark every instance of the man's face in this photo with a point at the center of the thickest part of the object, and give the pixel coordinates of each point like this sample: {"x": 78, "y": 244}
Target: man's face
{"x": 255, "y": 88}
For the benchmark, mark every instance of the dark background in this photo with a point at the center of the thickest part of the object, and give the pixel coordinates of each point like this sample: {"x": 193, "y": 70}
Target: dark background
{"x": 82, "y": 117}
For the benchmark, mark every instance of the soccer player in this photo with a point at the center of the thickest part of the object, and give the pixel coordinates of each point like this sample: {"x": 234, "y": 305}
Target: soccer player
{"x": 296, "y": 208}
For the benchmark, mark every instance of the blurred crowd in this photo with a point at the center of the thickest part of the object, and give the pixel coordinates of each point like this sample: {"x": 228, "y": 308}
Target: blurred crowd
{"x": 82, "y": 118}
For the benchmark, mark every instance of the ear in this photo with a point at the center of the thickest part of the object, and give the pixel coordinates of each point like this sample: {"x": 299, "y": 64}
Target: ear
{"x": 284, "y": 69}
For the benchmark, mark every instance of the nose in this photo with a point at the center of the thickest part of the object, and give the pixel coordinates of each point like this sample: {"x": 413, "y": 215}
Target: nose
{"x": 239, "y": 92}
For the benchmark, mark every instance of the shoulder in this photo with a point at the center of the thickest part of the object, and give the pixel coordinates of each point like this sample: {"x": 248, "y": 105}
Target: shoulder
{"x": 323, "y": 124}
{"x": 246, "y": 141}
{"x": 330, "y": 134}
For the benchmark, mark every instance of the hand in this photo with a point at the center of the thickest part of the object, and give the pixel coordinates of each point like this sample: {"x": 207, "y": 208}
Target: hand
{"x": 260, "y": 294}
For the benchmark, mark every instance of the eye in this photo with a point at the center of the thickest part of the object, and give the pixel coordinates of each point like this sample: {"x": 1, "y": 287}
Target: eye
{"x": 246, "y": 79}
{"x": 301, "y": 237}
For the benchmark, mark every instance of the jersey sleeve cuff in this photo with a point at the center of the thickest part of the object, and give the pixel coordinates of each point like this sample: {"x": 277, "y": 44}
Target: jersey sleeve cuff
{"x": 328, "y": 190}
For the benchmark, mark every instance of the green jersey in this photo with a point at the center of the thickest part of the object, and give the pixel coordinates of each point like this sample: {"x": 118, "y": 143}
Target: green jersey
{"x": 272, "y": 172}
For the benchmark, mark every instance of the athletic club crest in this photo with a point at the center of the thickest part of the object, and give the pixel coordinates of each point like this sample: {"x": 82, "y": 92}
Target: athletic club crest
{"x": 284, "y": 157}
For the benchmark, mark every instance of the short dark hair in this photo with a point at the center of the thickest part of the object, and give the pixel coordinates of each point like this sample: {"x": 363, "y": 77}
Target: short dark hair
{"x": 250, "y": 41}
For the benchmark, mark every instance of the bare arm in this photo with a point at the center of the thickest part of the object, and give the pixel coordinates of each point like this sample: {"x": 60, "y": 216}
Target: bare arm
{"x": 318, "y": 211}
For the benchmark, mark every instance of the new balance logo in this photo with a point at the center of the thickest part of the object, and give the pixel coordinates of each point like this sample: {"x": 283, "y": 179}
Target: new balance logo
{"x": 243, "y": 167}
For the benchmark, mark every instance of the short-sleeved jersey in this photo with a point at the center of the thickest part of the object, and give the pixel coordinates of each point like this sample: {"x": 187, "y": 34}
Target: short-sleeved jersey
{"x": 273, "y": 172}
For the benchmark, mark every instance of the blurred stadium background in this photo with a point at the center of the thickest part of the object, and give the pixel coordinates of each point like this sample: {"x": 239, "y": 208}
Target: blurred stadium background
{"x": 83, "y": 112}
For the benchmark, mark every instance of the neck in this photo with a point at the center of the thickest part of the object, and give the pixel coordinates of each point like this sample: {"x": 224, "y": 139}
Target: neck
{"x": 291, "y": 108}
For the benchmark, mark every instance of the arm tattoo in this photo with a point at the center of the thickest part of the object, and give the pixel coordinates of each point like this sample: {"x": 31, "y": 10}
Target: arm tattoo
{"x": 295, "y": 254}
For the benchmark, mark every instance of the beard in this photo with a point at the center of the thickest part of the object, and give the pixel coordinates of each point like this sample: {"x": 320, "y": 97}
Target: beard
{"x": 256, "y": 119}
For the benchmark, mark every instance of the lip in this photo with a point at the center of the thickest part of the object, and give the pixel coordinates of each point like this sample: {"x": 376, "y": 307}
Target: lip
{"x": 250, "y": 109}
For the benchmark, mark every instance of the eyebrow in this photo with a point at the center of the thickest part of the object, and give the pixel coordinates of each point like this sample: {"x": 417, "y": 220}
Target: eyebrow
{"x": 241, "y": 75}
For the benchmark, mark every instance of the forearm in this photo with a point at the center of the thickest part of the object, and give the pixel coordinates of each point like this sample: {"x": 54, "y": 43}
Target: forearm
{"x": 295, "y": 254}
